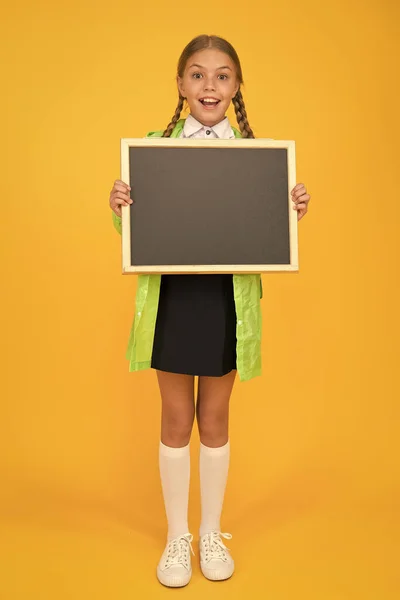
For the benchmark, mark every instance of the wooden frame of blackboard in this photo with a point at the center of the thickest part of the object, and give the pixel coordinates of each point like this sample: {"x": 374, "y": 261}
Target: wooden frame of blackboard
{"x": 289, "y": 145}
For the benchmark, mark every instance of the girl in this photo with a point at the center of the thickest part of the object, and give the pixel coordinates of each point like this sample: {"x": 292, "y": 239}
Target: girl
{"x": 198, "y": 325}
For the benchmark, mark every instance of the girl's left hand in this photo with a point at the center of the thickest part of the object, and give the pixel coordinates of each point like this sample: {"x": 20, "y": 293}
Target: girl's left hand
{"x": 300, "y": 199}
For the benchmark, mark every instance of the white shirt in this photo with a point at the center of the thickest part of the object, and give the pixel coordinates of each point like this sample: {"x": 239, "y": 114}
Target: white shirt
{"x": 195, "y": 130}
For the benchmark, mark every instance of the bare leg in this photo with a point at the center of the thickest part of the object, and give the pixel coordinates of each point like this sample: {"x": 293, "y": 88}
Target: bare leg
{"x": 213, "y": 409}
{"x": 177, "y": 395}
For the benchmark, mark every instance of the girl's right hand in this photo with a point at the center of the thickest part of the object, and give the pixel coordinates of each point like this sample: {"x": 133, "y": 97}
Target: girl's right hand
{"x": 119, "y": 196}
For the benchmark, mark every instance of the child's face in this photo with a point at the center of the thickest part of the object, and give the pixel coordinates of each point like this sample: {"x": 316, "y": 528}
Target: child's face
{"x": 209, "y": 75}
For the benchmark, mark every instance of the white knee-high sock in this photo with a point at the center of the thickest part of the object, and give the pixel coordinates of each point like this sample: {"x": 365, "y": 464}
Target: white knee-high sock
{"x": 214, "y": 466}
{"x": 175, "y": 479}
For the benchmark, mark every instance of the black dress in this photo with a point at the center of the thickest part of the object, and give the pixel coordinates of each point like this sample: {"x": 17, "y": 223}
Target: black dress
{"x": 195, "y": 330}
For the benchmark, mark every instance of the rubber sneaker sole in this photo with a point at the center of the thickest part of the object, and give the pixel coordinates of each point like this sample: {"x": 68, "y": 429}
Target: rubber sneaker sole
{"x": 174, "y": 581}
{"x": 218, "y": 574}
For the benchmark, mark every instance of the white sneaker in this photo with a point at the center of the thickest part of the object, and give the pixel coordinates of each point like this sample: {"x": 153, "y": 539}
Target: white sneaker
{"x": 175, "y": 568}
{"x": 215, "y": 561}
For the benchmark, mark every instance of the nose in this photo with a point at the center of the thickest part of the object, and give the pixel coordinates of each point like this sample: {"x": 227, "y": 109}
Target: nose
{"x": 209, "y": 84}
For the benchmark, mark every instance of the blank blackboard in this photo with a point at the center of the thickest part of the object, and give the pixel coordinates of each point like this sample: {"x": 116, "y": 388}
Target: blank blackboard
{"x": 209, "y": 206}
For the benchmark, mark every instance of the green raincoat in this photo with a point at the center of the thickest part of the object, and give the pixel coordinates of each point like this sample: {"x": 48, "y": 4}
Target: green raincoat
{"x": 247, "y": 294}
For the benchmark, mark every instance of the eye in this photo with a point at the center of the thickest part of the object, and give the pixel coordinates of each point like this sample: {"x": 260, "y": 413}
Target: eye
{"x": 223, "y": 76}
{"x": 196, "y": 75}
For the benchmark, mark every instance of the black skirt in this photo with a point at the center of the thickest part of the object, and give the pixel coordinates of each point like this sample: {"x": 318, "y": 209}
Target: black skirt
{"x": 195, "y": 330}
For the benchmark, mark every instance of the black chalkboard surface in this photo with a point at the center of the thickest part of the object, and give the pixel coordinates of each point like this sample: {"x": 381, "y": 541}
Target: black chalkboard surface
{"x": 209, "y": 206}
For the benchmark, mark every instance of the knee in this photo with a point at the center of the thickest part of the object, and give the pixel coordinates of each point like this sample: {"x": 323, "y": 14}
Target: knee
{"x": 213, "y": 429}
{"x": 176, "y": 429}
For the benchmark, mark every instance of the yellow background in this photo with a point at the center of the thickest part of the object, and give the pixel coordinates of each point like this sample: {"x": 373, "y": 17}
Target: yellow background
{"x": 313, "y": 496}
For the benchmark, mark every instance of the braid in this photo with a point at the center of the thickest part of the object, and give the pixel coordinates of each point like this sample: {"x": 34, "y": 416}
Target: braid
{"x": 175, "y": 118}
{"x": 241, "y": 116}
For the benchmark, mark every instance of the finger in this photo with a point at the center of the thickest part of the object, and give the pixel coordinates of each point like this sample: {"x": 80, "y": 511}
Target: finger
{"x": 122, "y": 195}
{"x": 119, "y": 182}
{"x": 298, "y": 187}
{"x": 122, "y": 187}
{"x": 118, "y": 204}
{"x": 299, "y": 206}
{"x": 303, "y": 198}
{"x": 300, "y": 192}
{"x": 120, "y": 198}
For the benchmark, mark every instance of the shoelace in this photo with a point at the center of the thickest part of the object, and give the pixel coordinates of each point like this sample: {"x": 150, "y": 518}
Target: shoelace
{"x": 177, "y": 550}
{"x": 214, "y": 546}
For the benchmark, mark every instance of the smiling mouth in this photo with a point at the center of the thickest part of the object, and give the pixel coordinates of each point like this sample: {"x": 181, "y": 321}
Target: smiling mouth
{"x": 209, "y": 102}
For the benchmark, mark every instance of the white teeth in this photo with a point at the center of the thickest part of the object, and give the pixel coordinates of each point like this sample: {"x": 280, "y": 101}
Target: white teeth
{"x": 209, "y": 100}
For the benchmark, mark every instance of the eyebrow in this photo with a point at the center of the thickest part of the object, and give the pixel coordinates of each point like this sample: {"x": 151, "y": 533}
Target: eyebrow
{"x": 200, "y": 67}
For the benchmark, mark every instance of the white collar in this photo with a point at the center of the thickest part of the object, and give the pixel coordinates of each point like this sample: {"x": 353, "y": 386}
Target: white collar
{"x": 222, "y": 129}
